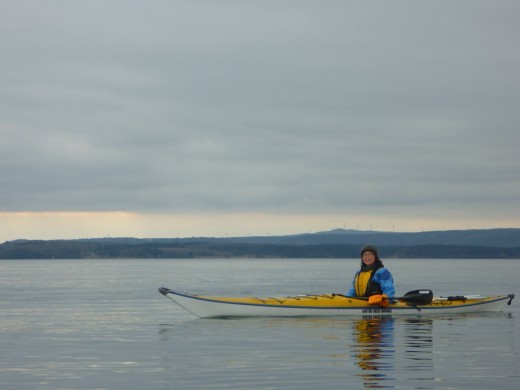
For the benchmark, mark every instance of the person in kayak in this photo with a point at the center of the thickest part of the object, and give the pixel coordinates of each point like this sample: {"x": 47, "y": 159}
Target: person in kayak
{"x": 373, "y": 280}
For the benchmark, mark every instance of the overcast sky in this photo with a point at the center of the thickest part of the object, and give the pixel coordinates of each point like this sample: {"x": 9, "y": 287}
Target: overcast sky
{"x": 188, "y": 118}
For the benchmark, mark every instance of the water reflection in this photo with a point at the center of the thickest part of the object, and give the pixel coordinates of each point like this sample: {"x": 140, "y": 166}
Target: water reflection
{"x": 322, "y": 352}
{"x": 418, "y": 339}
{"x": 374, "y": 350}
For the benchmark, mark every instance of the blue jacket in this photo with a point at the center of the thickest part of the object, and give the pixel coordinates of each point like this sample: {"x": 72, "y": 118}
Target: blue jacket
{"x": 383, "y": 277}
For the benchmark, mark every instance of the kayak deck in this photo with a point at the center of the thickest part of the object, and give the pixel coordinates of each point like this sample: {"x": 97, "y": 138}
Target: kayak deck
{"x": 326, "y": 305}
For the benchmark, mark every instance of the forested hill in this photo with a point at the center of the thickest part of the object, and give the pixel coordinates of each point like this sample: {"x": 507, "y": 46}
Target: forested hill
{"x": 338, "y": 243}
{"x": 506, "y": 238}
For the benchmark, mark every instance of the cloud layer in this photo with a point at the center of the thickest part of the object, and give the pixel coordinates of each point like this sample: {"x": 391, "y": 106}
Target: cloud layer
{"x": 400, "y": 109}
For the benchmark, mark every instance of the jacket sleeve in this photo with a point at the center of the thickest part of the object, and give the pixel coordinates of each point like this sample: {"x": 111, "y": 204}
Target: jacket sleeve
{"x": 385, "y": 280}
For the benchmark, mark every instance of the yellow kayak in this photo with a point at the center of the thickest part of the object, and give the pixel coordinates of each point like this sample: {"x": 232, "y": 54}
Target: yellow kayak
{"x": 413, "y": 303}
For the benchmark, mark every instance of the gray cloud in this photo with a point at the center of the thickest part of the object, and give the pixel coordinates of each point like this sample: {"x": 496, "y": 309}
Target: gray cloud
{"x": 260, "y": 106}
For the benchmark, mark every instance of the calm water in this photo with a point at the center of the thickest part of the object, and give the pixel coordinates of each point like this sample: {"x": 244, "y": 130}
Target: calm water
{"x": 101, "y": 324}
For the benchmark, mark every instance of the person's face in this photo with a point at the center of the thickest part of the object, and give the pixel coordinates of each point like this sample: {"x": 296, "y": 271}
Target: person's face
{"x": 368, "y": 258}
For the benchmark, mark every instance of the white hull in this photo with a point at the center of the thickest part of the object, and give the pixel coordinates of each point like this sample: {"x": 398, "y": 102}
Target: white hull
{"x": 216, "y": 307}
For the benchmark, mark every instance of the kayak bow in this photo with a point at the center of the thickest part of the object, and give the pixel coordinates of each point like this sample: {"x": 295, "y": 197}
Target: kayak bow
{"x": 331, "y": 305}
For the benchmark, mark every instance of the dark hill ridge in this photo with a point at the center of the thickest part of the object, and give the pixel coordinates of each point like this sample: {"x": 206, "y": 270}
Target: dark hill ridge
{"x": 503, "y": 238}
{"x": 338, "y": 243}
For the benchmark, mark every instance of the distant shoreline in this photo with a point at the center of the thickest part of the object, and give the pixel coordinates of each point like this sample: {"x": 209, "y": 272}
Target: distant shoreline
{"x": 466, "y": 244}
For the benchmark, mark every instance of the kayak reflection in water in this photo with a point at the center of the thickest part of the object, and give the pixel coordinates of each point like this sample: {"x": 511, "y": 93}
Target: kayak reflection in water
{"x": 374, "y": 349}
{"x": 418, "y": 340}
